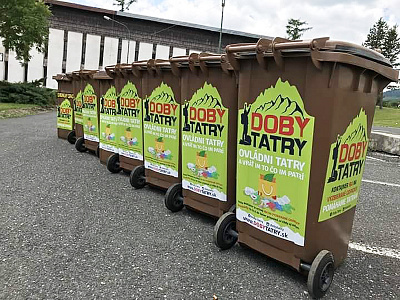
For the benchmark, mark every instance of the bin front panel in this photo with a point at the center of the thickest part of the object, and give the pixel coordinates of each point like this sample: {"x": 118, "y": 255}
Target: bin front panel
{"x": 130, "y": 129}
{"x": 78, "y": 103}
{"x": 275, "y": 141}
{"x": 345, "y": 168}
{"x": 109, "y": 121}
{"x": 161, "y": 121}
{"x": 89, "y": 114}
{"x": 65, "y": 111}
{"x": 205, "y": 143}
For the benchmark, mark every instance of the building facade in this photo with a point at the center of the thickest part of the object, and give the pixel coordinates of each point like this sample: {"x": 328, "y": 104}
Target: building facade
{"x": 81, "y": 37}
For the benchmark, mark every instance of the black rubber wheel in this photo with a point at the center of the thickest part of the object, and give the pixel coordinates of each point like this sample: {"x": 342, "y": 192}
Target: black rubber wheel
{"x": 71, "y": 138}
{"x": 223, "y": 231}
{"x": 232, "y": 208}
{"x": 113, "y": 163}
{"x": 137, "y": 178}
{"x": 80, "y": 145}
{"x": 321, "y": 273}
{"x": 173, "y": 198}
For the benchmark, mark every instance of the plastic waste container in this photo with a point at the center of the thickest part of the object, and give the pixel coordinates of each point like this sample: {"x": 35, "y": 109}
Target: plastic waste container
{"x": 209, "y": 125}
{"x": 305, "y": 113}
{"x": 161, "y": 127}
{"x": 130, "y": 122}
{"x": 77, "y": 86}
{"x": 91, "y": 110}
{"x": 65, "y": 113}
{"x": 109, "y": 116}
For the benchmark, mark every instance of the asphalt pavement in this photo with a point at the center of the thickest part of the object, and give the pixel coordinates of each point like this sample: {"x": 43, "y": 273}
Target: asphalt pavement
{"x": 69, "y": 229}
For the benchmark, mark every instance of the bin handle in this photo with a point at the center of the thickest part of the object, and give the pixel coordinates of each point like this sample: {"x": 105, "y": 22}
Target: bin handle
{"x": 193, "y": 59}
{"x": 174, "y": 61}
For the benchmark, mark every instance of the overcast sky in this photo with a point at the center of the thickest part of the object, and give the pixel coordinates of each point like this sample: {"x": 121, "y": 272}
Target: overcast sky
{"x": 339, "y": 19}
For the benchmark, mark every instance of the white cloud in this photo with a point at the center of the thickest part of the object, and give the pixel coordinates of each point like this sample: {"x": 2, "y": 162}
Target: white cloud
{"x": 339, "y": 19}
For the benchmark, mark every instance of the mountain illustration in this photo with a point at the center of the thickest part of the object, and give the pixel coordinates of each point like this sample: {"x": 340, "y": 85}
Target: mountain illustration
{"x": 358, "y": 134}
{"x": 208, "y": 100}
{"x": 89, "y": 90}
{"x": 129, "y": 91}
{"x": 111, "y": 93}
{"x": 284, "y": 104}
{"x": 163, "y": 93}
{"x": 163, "y": 97}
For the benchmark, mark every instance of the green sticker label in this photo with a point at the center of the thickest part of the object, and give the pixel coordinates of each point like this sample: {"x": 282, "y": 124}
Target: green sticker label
{"x": 345, "y": 169}
{"x": 204, "y": 144}
{"x": 161, "y": 131}
{"x": 109, "y": 121}
{"x": 275, "y": 139}
{"x": 130, "y": 135}
{"x": 64, "y": 115}
{"x": 89, "y": 112}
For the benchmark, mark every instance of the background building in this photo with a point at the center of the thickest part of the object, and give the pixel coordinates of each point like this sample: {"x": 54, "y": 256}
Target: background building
{"x": 81, "y": 38}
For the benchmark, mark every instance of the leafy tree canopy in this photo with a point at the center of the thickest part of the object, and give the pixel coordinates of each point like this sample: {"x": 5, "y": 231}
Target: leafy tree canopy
{"x": 385, "y": 39}
{"x": 295, "y": 28}
{"x": 24, "y": 24}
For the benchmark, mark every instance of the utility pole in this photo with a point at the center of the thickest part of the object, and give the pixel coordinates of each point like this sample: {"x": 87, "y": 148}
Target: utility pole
{"x": 220, "y": 32}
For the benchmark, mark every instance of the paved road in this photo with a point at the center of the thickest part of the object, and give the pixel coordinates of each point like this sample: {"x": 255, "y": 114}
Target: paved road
{"x": 390, "y": 130}
{"x": 71, "y": 230}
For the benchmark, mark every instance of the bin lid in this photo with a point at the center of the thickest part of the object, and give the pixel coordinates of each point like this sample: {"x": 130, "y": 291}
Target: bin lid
{"x": 101, "y": 75}
{"x": 320, "y": 49}
{"x": 62, "y": 77}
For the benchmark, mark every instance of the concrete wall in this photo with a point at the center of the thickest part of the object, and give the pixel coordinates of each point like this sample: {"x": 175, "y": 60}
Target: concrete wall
{"x": 35, "y": 66}
{"x": 178, "y": 51}
{"x": 110, "y": 53}
{"x": 16, "y": 72}
{"x": 162, "y": 52}
{"x": 74, "y": 51}
{"x": 124, "y": 51}
{"x": 92, "y": 52}
{"x": 55, "y": 56}
{"x": 145, "y": 51}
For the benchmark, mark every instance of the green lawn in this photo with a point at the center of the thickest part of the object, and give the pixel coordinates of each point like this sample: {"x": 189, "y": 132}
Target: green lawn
{"x": 389, "y": 117}
{"x": 7, "y": 106}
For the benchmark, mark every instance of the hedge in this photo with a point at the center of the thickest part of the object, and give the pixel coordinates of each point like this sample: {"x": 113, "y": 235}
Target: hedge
{"x": 27, "y": 93}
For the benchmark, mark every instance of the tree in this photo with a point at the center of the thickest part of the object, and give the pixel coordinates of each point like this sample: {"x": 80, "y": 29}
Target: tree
{"x": 384, "y": 39}
{"x": 124, "y": 4}
{"x": 295, "y": 29}
{"x": 24, "y": 24}
{"x": 391, "y": 45}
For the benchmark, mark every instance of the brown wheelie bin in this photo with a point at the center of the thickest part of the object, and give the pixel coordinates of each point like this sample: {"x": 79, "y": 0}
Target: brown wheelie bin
{"x": 130, "y": 122}
{"x": 90, "y": 110}
{"x": 77, "y": 86}
{"x": 209, "y": 126}
{"x": 161, "y": 127}
{"x": 65, "y": 113}
{"x": 109, "y": 116}
{"x": 305, "y": 113}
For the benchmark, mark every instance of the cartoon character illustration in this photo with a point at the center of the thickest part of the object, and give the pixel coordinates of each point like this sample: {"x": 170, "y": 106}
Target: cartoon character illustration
{"x": 89, "y": 125}
{"x": 267, "y": 186}
{"x": 159, "y": 151}
{"x": 201, "y": 169}
{"x": 108, "y": 135}
{"x": 160, "y": 146}
{"x": 266, "y": 196}
{"x": 128, "y": 139}
{"x": 201, "y": 160}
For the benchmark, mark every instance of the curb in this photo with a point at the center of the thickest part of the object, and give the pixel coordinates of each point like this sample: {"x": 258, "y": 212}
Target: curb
{"x": 384, "y": 142}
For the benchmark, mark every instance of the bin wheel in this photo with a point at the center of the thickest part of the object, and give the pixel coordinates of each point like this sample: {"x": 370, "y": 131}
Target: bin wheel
{"x": 80, "y": 145}
{"x": 97, "y": 152}
{"x": 71, "y": 138}
{"x": 232, "y": 208}
{"x": 225, "y": 234}
{"x": 137, "y": 178}
{"x": 173, "y": 197}
{"x": 113, "y": 163}
{"x": 320, "y": 275}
